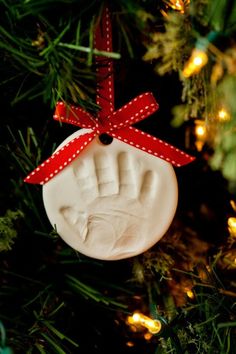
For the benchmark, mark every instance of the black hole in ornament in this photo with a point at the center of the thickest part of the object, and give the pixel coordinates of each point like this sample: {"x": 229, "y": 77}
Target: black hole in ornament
{"x": 105, "y": 139}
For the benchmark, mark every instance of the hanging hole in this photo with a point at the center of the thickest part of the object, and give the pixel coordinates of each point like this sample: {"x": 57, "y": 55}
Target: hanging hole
{"x": 105, "y": 139}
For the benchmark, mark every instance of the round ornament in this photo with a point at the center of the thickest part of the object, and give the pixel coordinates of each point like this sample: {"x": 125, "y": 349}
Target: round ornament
{"x": 112, "y": 202}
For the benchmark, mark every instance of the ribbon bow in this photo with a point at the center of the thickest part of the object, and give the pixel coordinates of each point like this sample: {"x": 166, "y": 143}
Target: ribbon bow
{"x": 116, "y": 124}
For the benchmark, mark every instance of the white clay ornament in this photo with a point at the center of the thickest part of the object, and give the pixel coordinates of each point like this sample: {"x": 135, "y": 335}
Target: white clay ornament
{"x": 112, "y": 202}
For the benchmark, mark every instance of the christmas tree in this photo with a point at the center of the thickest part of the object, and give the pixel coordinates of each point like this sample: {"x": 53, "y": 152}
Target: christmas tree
{"x": 178, "y": 296}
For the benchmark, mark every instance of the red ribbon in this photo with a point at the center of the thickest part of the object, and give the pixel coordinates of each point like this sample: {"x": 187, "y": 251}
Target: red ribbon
{"x": 117, "y": 124}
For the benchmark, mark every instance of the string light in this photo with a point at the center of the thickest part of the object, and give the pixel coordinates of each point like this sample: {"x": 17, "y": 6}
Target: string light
{"x": 178, "y": 5}
{"x": 138, "y": 319}
{"x": 223, "y": 115}
{"x": 190, "y": 294}
{"x": 199, "y": 57}
{"x": 200, "y": 133}
{"x": 232, "y": 226}
{"x": 195, "y": 63}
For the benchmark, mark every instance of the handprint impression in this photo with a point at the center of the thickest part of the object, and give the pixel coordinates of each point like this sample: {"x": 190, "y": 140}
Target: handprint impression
{"x": 116, "y": 205}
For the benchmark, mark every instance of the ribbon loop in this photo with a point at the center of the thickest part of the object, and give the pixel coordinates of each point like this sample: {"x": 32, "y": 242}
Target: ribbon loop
{"x": 116, "y": 124}
{"x": 135, "y": 110}
{"x": 74, "y": 115}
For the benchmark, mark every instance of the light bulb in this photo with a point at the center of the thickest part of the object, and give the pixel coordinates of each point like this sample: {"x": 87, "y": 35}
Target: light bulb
{"x": 233, "y": 204}
{"x": 223, "y": 115}
{"x": 232, "y": 226}
{"x": 195, "y": 63}
{"x": 148, "y": 336}
{"x": 200, "y": 133}
{"x": 130, "y": 344}
{"x": 190, "y": 294}
{"x": 178, "y": 5}
{"x": 153, "y": 326}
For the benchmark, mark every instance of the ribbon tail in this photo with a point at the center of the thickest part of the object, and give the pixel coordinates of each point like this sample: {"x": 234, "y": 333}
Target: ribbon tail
{"x": 59, "y": 159}
{"x": 153, "y": 146}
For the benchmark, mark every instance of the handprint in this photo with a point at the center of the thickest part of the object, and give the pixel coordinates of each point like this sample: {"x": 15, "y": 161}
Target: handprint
{"x": 116, "y": 204}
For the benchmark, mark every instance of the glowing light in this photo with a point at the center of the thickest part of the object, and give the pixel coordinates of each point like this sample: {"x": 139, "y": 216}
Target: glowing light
{"x": 190, "y": 294}
{"x": 130, "y": 344}
{"x": 232, "y": 226}
{"x": 154, "y": 326}
{"x": 223, "y": 115}
{"x": 233, "y": 204}
{"x": 148, "y": 336}
{"x": 200, "y": 131}
{"x": 201, "y": 134}
{"x": 178, "y": 5}
{"x": 195, "y": 63}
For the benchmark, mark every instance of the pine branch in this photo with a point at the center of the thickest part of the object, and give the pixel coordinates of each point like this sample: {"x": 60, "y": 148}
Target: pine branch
{"x": 57, "y": 51}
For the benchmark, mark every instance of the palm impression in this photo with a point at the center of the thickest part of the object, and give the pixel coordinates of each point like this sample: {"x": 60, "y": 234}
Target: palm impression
{"x": 113, "y": 201}
{"x": 115, "y": 209}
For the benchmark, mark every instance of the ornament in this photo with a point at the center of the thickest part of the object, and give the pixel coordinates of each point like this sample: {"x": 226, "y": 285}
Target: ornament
{"x": 116, "y": 200}
{"x": 105, "y": 189}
